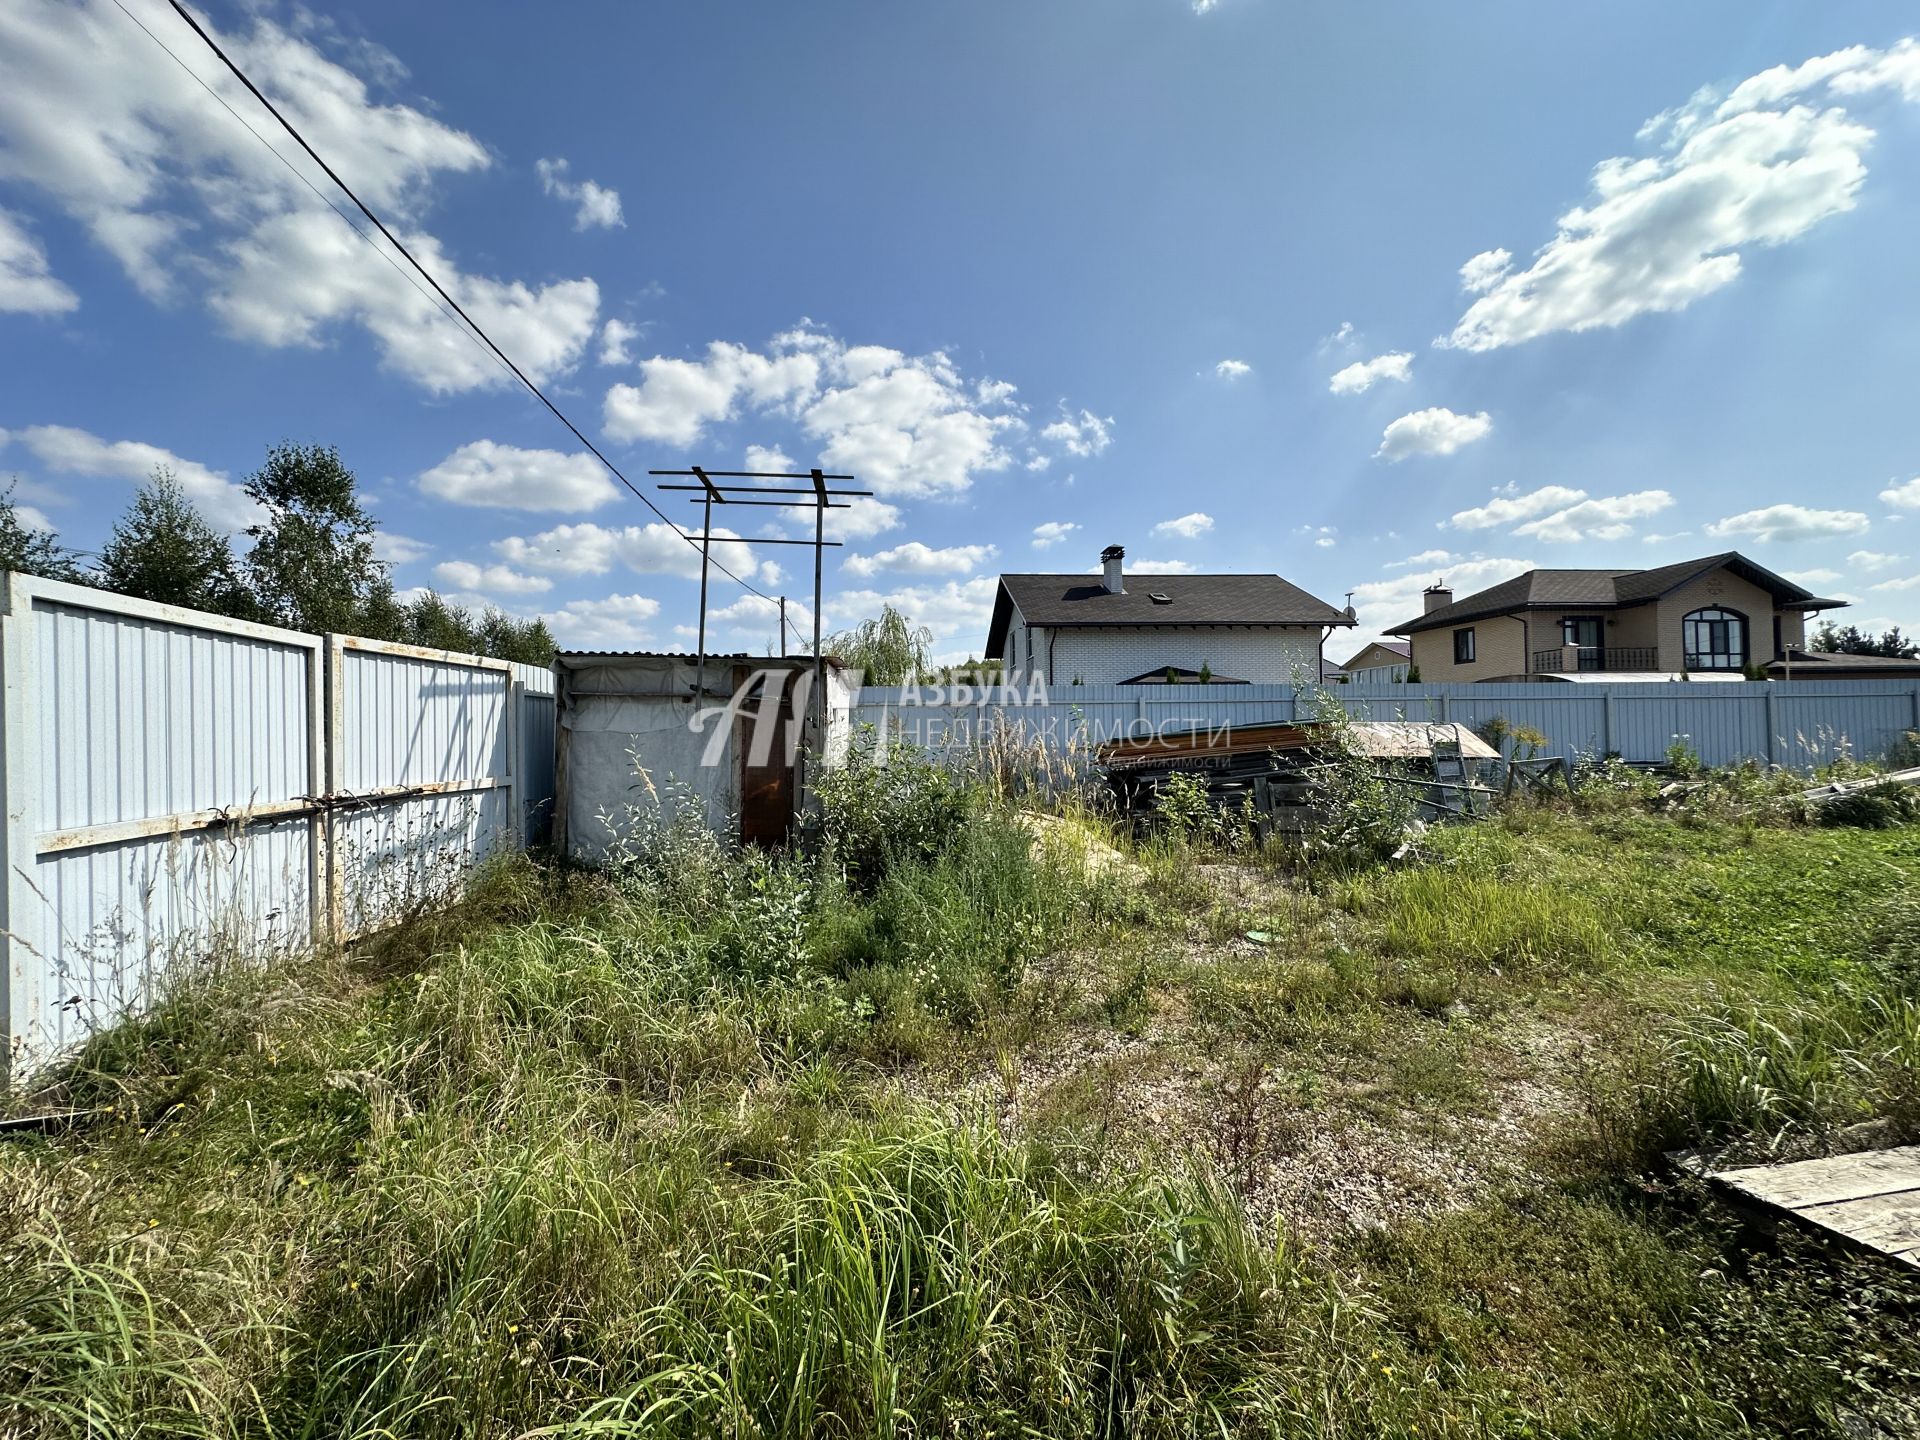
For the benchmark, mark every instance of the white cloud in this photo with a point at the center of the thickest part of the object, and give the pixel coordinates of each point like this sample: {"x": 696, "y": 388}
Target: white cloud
{"x": 67, "y": 451}
{"x": 907, "y": 426}
{"x": 1812, "y": 577}
{"x": 1903, "y": 497}
{"x": 1425, "y": 557}
{"x": 677, "y": 399}
{"x": 1873, "y": 559}
{"x": 27, "y": 285}
{"x": 616, "y": 340}
{"x": 1485, "y": 270}
{"x": 1084, "y": 434}
{"x": 1361, "y": 375}
{"x": 1789, "y": 522}
{"x": 1907, "y": 582}
{"x": 1656, "y": 538}
{"x": 614, "y": 622}
{"x": 1762, "y": 167}
{"x": 399, "y": 549}
{"x": 770, "y": 460}
{"x": 489, "y": 579}
{"x": 1380, "y": 603}
{"x": 1051, "y": 533}
{"x": 1187, "y": 527}
{"x": 594, "y": 206}
{"x": 32, "y": 519}
{"x": 1155, "y": 567}
{"x": 863, "y": 519}
{"x": 913, "y": 558}
{"x": 1324, "y": 537}
{"x": 957, "y": 611}
{"x": 508, "y": 477}
{"x": 1607, "y": 518}
{"x": 1505, "y": 509}
{"x": 1435, "y": 431}
{"x": 1232, "y": 369}
{"x": 652, "y": 549}
{"x": 752, "y": 623}
{"x": 184, "y": 198}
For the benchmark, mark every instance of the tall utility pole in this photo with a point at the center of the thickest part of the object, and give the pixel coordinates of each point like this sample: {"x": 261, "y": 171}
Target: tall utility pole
{"x": 783, "y": 627}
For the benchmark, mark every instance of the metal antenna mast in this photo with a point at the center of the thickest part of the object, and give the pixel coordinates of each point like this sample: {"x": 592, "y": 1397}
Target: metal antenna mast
{"x": 818, "y": 497}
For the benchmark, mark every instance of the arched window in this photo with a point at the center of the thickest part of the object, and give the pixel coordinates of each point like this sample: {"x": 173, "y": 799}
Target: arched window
{"x": 1715, "y": 639}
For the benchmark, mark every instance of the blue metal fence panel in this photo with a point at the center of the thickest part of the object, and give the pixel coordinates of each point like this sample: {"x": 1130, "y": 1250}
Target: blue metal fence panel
{"x": 172, "y": 780}
{"x": 1799, "y": 724}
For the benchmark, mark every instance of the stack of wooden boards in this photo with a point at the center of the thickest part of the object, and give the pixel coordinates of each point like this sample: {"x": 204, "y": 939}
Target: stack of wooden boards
{"x": 1272, "y": 767}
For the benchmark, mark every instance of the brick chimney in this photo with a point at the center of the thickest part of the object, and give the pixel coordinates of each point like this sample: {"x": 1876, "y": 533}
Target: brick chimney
{"x": 1438, "y": 597}
{"x": 1110, "y": 559}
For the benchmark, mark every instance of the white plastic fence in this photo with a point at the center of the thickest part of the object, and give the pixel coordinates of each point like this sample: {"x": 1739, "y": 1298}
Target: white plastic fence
{"x": 176, "y": 780}
{"x": 1798, "y": 724}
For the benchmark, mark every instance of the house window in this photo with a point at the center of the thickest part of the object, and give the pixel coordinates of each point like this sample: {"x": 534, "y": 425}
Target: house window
{"x": 1463, "y": 646}
{"x": 1581, "y": 630}
{"x": 1715, "y": 639}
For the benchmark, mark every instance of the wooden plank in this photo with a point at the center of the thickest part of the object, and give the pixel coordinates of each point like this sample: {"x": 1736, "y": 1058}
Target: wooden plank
{"x": 1886, "y": 1222}
{"x": 1822, "y": 1182}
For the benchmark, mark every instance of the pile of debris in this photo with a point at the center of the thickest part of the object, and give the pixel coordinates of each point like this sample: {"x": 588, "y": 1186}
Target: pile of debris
{"x": 1271, "y": 769}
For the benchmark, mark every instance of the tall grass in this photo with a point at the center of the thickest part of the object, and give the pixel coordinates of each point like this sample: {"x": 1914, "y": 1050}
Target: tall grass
{"x": 666, "y": 1152}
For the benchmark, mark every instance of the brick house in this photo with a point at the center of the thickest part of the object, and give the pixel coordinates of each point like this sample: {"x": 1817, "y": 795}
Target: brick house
{"x": 1112, "y": 628}
{"x": 1720, "y": 613}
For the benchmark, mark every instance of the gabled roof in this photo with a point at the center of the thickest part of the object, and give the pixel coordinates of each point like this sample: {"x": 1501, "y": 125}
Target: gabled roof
{"x": 1083, "y": 601}
{"x": 1608, "y": 590}
{"x": 1398, "y": 648}
{"x": 1181, "y": 676}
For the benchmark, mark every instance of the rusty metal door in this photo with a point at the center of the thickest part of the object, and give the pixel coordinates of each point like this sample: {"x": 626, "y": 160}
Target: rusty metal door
{"x": 766, "y": 789}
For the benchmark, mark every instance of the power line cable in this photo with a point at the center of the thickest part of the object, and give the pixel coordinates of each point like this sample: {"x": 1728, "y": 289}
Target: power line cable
{"x": 439, "y": 289}
{"x": 294, "y": 170}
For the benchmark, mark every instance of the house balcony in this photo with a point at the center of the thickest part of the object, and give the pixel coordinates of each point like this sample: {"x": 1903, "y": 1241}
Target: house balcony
{"x": 1570, "y": 659}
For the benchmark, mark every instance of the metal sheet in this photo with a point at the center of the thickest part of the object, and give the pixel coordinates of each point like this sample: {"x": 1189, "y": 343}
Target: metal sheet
{"x": 119, "y": 920}
{"x": 1794, "y": 723}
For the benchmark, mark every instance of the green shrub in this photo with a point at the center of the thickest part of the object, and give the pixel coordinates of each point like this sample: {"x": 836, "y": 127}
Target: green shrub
{"x": 880, "y": 811}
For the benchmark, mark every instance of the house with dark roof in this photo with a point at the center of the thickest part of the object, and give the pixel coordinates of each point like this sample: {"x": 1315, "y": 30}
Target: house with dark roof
{"x": 1115, "y": 628}
{"x": 1384, "y": 662}
{"x": 1720, "y": 613}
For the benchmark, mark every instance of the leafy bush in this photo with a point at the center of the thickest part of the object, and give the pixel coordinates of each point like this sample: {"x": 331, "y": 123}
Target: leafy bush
{"x": 877, "y": 811}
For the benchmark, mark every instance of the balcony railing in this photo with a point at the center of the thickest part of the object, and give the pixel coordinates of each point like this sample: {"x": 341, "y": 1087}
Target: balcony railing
{"x": 1567, "y": 659}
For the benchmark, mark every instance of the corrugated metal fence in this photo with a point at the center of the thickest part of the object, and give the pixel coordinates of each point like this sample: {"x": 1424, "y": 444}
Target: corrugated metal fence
{"x": 1798, "y": 724}
{"x": 177, "y": 781}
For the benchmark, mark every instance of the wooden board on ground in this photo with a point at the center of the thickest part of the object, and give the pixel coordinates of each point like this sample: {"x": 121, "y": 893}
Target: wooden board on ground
{"x": 1870, "y": 1199}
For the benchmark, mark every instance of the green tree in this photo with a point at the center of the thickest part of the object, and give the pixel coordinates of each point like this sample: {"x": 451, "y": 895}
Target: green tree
{"x": 30, "y": 550}
{"x": 1852, "y": 640}
{"x": 429, "y": 619}
{"x": 163, "y": 549}
{"x": 505, "y": 638}
{"x": 889, "y": 650}
{"x": 312, "y": 565}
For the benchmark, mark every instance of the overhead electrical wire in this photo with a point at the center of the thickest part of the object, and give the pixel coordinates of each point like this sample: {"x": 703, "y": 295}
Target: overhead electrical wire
{"x": 446, "y": 302}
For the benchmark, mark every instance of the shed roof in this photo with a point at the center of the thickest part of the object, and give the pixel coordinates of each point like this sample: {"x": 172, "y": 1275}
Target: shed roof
{"x": 1081, "y": 601}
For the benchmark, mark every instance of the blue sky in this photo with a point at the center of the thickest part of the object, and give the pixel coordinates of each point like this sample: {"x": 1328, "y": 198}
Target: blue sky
{"x": 1365, "y": 295}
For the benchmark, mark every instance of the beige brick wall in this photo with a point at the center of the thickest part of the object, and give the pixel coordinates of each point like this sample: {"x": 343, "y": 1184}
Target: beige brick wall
{"x": 1500, "y": 648}
{"x": 1728, "y": 592}
{"x": 1655, "y": 625}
